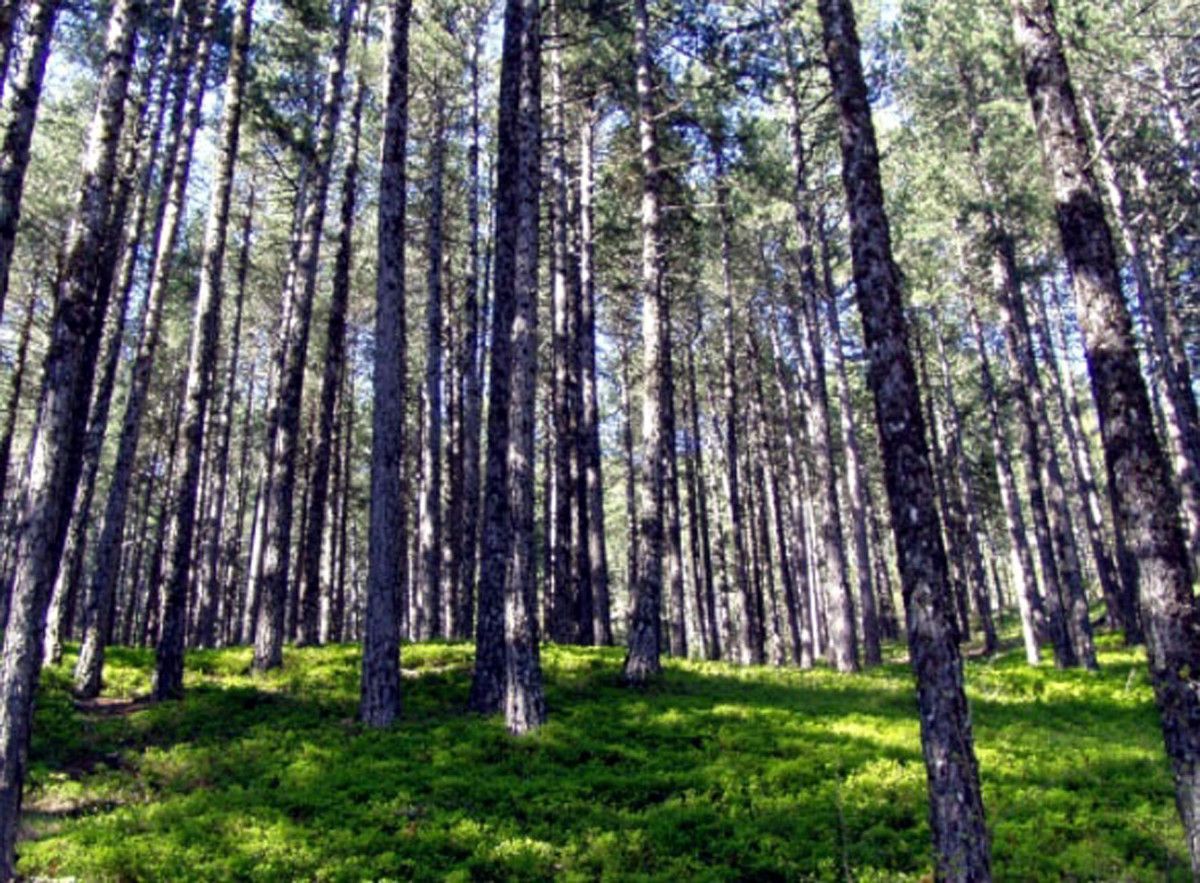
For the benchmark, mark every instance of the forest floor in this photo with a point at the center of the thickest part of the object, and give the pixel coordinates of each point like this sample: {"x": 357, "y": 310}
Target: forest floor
{"x": 715, "y": 772}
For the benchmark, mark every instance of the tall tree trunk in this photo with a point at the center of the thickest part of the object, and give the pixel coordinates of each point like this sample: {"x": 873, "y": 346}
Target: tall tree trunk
{"x": 955, "y": 800}
{"x": 202, "y": 357}
{"x": 774, "y": 517}
{"x": 802, "y": 633}
{"x": 677, "y": 635}
{"x": 589, "y": 428}
{"x": 285, "y": 441}
{"x": 1147, "y": 504}
{"x": 843, "y": 639}
{"x": 210, "y": 589}
{"x": 334, "y": 369}
{"x": 1024, "y": 579}
{"x": 471, "y": 369}
{"x": 428, "y": 601}
{"x": 698, "y": 528}
{"x": 517, "y": 218}
{"x": 380, "y": 701}
{"x": 968, "y": 506}
{"x": 105, "y": 570}
{"x": 855, "y": 476}
{"x": 1175, "y": 387}
{"x": 56, "y": 455}
{"x": 1120, "y": 596}
{"x": 560, "y": 625}
{"x": 752, "y": 648}
{"x": 18, "y": 134}
{"x": 14, "y": 400}
{"x": 516, "y": 187}
{"x": 631, "y": 525}
{"x": 642, "y": 661}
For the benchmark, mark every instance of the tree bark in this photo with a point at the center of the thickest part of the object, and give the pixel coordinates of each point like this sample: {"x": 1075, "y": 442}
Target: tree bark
{"x": 379, "y": 704}
{"x": 1147, "y": 504}
{"x": 955, "y": 800}
{"x": 855, "y": 476}
{"x": 589, "y": 429}
{"x": 202, "y": 357}
{"x": 843, "y": 639}
{"x": 41, "y": 16}
{"x": 428, "y": 602}
{"x": 968, "y": 506}
{"x": 642, "y": 662}
{"x": 1029, "y": 602}
{"x": 284, "y": 442}
{"x": 105, "y": 570}
{"x": 56, "y": 455}
{"x": 333, "y": 372}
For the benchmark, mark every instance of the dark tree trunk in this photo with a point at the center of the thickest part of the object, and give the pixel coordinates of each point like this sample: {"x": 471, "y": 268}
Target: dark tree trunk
{"x": 210, "y": 588}
{"x": 517, "y": 218}
{"x": 380, "y": 701}
{"x": 202, "y": 357}
{"x": 284, "y": 442}
{"x": 507, "y": 670}
{"x": 332, "y": 379}
{"x": 18, "y": 134}
{"x": 56, "y": 455}
{"x": 856, "y": 478}
{"x": 698, "y": 528}
{"x": 802, "y": 633}
{"x": 955, "y": 800}
{"x": 471, "y": 369}
{"x": 843, "y": 639}
{"x": 1147, "y": 503}
{"x": 105, "y": 570}
{"x": 750, "y": 646}
{"x": 642, "y": 662}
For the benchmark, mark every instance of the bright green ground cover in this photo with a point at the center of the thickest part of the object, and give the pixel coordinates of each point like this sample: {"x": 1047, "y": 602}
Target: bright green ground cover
{"x": 715, "y": 773}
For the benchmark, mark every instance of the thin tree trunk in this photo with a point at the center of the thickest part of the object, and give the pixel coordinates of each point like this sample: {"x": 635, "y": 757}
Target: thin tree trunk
{"x": 969, "y": 507}
{"x": 855, "y": 477}
{"x": 1024, "y": 578}
{"x": 955, "y": 800}
{"x": 751, "y": 647}
{"x": 18, "y": 134}
{"x": 210, "y": 586}
{"x": 803, "y": 633}
{"x": 284, "y": 442}
{"x": 202, "y": 357}
{"x": 589, "y": 429}
{"x": 427, "y": 603}
{"x": 105, "y": 571}
{"x": 471, "y": 368}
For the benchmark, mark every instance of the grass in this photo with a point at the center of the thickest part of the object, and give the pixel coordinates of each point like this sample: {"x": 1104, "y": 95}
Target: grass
{"x": 714, "y": 773}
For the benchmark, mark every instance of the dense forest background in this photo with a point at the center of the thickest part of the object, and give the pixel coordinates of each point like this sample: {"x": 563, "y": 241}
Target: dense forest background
{"x": 769, "y": 333}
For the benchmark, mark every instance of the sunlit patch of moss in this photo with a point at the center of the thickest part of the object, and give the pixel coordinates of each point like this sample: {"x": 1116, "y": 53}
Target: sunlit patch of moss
{"x": 715, "y": 772}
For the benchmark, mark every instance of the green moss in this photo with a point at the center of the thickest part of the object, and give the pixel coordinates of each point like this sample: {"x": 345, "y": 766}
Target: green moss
{"x": 713, "y": 773}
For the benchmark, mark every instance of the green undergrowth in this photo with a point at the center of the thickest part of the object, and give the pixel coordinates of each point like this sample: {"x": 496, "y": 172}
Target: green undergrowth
{"x": 715, "y": 772}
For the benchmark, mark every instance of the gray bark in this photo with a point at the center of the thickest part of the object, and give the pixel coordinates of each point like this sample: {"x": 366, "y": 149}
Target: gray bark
{"x": 1147, "y": 503}
{"x": 956, "y": 812}
{"x": 56, "y": 453}
{"x": 642, "y": 662}
{"x": 284, "y": 442}
{"x": 379, "y": 704}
